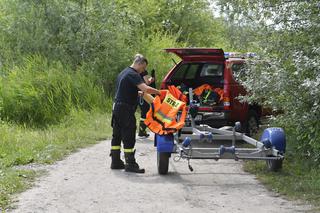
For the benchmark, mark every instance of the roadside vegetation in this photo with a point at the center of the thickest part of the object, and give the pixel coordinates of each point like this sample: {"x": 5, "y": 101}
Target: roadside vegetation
{"x": 298, "y": 180}
{"x": 58, "y": 64}
{"x": 59, "y": 60}
{"x": 20, "y": 145}
{"x": 285, "y": 37}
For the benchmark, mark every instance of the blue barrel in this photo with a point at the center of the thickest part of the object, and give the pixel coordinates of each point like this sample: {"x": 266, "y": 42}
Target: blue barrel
{"x": 275, "y": 137}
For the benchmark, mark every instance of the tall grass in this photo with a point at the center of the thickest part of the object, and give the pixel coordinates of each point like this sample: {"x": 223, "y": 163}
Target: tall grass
{"x": 21, "y": 145}
{"x": 38, "y": 93}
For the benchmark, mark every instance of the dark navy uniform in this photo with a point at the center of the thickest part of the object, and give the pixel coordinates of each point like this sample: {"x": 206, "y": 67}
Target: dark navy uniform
{"x": 125, "y": 104}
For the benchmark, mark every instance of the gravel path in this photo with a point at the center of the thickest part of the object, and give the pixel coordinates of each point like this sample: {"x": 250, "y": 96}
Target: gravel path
{"x": 83, "y": 182}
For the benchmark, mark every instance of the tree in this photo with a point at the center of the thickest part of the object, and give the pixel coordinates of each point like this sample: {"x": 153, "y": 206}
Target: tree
{"x": 89, "y": 34}
{"x": 101, "y": 36}
{"x": 191, "y": 21}
{"x": 286, "y": 35}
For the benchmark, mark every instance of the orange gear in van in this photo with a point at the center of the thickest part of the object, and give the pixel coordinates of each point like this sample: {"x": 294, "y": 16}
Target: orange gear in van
{"x": 161, "y": 118}
{"x": 199, "y": 90}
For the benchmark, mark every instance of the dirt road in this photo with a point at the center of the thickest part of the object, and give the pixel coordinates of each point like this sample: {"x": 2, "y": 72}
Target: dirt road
{"x": 83, "y": 182}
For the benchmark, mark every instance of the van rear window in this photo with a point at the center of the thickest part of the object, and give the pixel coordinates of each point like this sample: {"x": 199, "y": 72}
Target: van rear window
{"x": 186, "y": 71}
{"x": 192, "y": 71}
{"x": 214, "y": 70}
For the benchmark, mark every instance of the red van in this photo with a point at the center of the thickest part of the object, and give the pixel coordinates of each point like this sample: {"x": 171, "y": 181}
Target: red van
{"x": 202, "y": 66}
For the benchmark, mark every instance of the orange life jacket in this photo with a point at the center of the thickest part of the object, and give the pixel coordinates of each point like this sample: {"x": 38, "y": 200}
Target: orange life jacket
{"x": 178, "y": 94}
{"x": 161, "y": 118}
{"x": 199, "y": 90}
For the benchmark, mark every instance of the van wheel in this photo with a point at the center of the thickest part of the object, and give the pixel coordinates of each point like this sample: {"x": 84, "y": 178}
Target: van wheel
{"x": 252, "y": 124}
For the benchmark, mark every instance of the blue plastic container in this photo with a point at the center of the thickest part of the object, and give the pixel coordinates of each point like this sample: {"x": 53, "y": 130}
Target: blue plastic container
{"x": 186, "y": 142}
{"x": 276, "y": 137}
{"x": 164, "y": 143}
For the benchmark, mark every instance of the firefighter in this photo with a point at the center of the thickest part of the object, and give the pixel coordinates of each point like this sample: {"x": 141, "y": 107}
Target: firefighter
{"x": 129, "y": 82}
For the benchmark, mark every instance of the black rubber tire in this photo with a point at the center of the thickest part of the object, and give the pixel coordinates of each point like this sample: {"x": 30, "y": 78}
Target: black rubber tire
{"x": 252, "y": 123}
{"x": 274, "y": 165}
{"x": 163, "y": 162}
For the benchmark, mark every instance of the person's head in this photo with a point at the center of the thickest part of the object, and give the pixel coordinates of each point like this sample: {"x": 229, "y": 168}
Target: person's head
{"x": 140, "y": 63}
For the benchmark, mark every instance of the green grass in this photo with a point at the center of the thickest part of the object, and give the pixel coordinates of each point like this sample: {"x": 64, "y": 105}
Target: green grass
{"x": 13, "y": 181}
{"x": 21, "y": 145}
{"x": 39, "y": 93}
{"x": 299, "y": 178}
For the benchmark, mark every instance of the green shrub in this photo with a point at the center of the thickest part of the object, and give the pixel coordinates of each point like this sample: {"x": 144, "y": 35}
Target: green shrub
{"x": 38, "y": 93}
{"x": 290, "y": 80}
{"x": 89, "y": 33}
{"x": 153, "y": 47}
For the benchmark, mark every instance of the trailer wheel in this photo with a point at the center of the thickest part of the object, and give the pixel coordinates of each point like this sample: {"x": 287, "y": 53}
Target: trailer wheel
{"x": 274, "y": 165}
{"x": 163, "y": 162}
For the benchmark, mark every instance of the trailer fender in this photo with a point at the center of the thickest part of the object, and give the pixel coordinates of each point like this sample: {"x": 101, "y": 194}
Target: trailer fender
{"x": 274, "y": 137}
{"x": 164, "y": 143}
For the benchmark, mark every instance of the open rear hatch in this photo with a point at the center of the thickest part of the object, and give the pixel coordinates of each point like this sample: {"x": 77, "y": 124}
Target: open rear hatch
{"x": 209, "y": 62}
{"x": 189, "y": 54}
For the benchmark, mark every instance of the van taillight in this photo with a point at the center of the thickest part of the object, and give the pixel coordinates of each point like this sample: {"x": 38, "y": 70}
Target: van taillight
{"x": 226, "y": 103}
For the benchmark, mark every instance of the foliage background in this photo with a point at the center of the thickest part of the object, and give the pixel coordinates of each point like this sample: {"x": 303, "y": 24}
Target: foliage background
{"x": 286, "y": 36}
{"x": 59, "y": 60}
{"x": 59, "y": 55}
{"x": 58, "y": 63}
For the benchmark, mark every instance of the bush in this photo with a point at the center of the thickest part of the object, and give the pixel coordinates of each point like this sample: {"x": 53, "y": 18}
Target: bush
{"x": 291, "y": 86}
{"x": 290, "y": 81}
{"x": 92, "y": 34}
{"x": 38, "y": 93}
{"x": 153, "y": 48}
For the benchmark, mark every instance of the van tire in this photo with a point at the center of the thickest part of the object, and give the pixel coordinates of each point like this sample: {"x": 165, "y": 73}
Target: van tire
{"x": 252, "y": 123}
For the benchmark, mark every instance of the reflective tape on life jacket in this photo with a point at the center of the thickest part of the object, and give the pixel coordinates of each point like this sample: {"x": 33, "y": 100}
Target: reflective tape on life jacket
{"x": 199, "y": 90}
{"x": 161, "y": 118}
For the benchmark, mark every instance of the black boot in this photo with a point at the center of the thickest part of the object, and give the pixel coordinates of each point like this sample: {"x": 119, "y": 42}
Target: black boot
{"x": 131, "y": 164}
{"x": 116, "y": 162}
{"x": 143, "y": 130}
